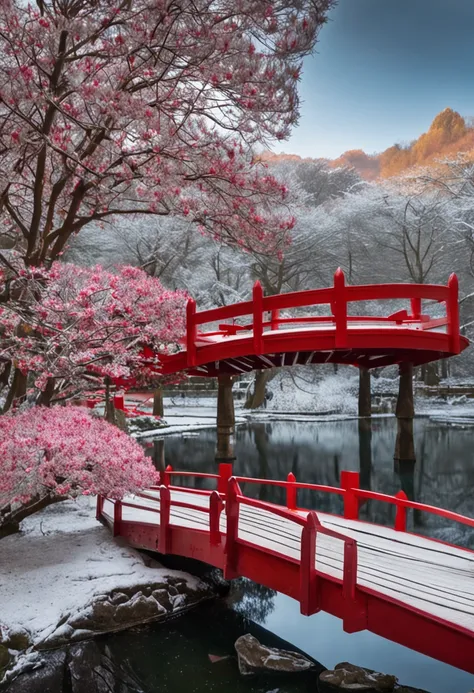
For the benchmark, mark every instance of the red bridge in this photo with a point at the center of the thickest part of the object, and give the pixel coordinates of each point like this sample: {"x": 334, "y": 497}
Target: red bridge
{"x": 265, "y": 339}
{"x": 410, "y": 589}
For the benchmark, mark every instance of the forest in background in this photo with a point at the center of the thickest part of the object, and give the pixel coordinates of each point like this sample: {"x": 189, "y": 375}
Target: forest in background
{"x": 417, "y": 226}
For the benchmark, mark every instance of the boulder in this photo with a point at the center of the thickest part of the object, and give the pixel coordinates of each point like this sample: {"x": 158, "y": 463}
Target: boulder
{"x": 4, "y": 658}
{"x": 349, "y": 677}
{"x": 93, "y": 670}
{"x": 255, "y": 658}
{"x": 46, "y": 677}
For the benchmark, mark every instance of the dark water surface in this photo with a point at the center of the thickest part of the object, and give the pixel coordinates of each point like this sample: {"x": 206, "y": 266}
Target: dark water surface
{"x": 318, "y": 452}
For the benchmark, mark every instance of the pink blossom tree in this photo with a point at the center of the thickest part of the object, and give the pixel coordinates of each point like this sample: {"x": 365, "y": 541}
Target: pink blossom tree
{"x": 151, "y": 107}
{"x": 67, "y": 326}
{"x": 49, "y": 455}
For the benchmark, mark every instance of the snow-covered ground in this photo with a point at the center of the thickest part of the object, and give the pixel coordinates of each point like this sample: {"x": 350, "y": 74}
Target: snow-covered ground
{"x": 62, "y": 564}
{"x": 190, "y": 414}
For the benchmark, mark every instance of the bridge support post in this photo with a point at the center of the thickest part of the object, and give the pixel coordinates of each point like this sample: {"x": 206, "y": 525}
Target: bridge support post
{"x": 365, "y": 428}
{"x": 405, "y": 411}
{"x": 225, "y": 430}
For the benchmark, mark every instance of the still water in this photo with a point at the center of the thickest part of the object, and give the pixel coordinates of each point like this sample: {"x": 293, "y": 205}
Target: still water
{"x": 318, "y": 452}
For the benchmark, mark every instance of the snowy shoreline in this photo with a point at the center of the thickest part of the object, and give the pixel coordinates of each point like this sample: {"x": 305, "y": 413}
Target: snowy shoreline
{"x": 64, "y": 578}
{"x": 192, "y": 417}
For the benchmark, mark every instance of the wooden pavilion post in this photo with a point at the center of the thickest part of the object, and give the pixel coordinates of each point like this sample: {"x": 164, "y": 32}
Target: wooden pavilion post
{"x": 405, "y": 412}
{"x": 225, "y": 425}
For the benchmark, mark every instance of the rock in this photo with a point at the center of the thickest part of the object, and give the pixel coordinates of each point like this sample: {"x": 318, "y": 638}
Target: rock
{"x": 48, "y": 677}
{"x": 16, "y": 639}
{"x": 118, "y": 598}
{"x": 255, "y": 658}
{"x": 86, "y": 672}
{"x": 5, "y": 657}
{"x": 94, "y": 671}
{"x": 138, "y": 610}
{"x": 349, "y": 677}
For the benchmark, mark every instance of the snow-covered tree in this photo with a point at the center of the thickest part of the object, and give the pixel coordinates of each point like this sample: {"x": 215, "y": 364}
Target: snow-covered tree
{"x": 115, "y": 108}
{"x": 67, "y": 326}
{"x": 51, "y": 454}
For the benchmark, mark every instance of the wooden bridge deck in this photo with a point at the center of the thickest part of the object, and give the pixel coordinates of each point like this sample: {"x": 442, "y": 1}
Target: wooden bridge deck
{"x": 411, "y": 589}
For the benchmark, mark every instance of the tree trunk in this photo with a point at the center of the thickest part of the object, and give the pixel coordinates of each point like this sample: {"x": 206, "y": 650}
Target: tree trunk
{"x": 47, "y": 394}
{"x": 158, "y": 402}
{"x": 444, "y": 369}
{"x": 5, "y": 375}
{"x": 431, "y": 375}
{"x": 225, "y": 420}
{"x": 10, "y": 520}
{"x": 109, "y": 413}
{"x": 17, "y": 392}
{"x": 256, "y": 397}
{"x": 365, "y": 402}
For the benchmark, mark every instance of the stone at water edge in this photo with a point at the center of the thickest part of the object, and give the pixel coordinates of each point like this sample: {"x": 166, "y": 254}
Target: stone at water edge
{"x": 255, "y": 658}
{"x": 349, "y": 677}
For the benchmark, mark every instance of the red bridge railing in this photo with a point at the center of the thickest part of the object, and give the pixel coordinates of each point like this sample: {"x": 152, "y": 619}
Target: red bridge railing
{"x": 349, "y": 490}
{"x": 338, "y": 297}
{"x": 296, "y": 571}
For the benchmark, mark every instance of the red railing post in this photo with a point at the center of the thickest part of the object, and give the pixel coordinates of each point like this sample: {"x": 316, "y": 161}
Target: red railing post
{"x": 354, "y": 616}
{"x": 232, "y": 530}
{"x": 340, "y": 308}
{"x": 274, "y": 319}
{"x": 119, "y": 402}
{"x": 165, "y": 477}
{"x": 291, "y": 491}
{"x": 165, "y": 508}
{"x": 349, "y": 481}
{"x": 225, "y": 473}
{"x": 308, "y": 576}
{"x": 99, "y": 507}
{"x": 257, "y": 318}
{"x": 117, "y": 518}
{"x": 191, "y": 333}
{"x": 401, "y": 513}
{"x": 215, "y": 508}
{"x": 415, "y": 308}
{"x": 452, "y": 310}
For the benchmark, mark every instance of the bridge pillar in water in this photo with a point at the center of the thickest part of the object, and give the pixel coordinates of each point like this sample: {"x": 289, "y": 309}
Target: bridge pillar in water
{"x": 225, "y": 426}
{"x": 365, "y": 429}
{"x": 405, "y": 412}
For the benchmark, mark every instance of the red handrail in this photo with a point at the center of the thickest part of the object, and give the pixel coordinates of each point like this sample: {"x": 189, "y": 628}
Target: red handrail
{"x": 296, "y": 484}
{"x": 338, "y": 297}
{"x": 403, "y": 502}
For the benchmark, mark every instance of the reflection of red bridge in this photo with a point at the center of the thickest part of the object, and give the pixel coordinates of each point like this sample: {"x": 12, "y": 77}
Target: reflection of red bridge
{"x": 416, "y": 591}
{"x": 266, "y": 339}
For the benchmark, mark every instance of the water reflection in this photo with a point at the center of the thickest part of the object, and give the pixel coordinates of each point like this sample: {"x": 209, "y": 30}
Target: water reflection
{"x": 317, "y": 452}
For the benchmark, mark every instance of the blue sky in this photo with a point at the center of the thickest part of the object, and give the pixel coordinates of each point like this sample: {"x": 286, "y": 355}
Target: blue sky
{"x": 381, "y": 72}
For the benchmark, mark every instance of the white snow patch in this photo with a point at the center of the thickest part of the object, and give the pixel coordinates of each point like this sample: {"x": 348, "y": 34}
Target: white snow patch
{"x": 62, "y": 561}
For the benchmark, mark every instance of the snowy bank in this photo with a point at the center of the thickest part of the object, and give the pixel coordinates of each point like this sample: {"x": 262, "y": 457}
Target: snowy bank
{"x": 64, "y": 578}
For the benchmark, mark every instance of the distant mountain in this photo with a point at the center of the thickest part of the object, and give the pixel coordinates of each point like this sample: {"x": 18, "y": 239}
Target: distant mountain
{"x": 448, "y": 135}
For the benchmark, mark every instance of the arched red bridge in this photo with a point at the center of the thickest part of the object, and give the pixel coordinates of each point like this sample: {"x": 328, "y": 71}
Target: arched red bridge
{"x": 415, "y": 591}
{"x": 263, "y": 338}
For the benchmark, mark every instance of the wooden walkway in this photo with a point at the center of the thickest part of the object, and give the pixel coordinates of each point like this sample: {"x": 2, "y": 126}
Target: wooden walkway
{"x": 411, "y": 589}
